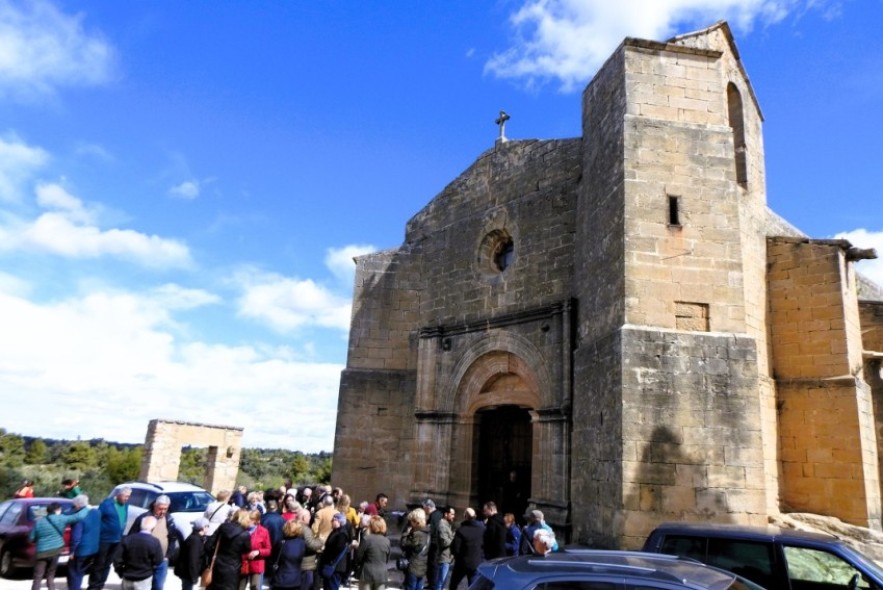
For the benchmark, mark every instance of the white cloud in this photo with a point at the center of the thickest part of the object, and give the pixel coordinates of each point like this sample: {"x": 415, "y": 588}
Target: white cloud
{"x": 862, "y": 238}
{"x": 189, "y": 189}
{"x": 14, "y": 285}
{"x": 111, "y": 356}
{"x": 568, "y": 40}
{"x": 41, "y": 48}
{"x": 340, "y": 260}
{"x": 93, "y": 150}
{"x": 18, "y": 162}
{"x": 286, "y": 304}
{"x": 71, "y": 231}
{"x": 55, "y": 196}
{"x": 174, "y": 296}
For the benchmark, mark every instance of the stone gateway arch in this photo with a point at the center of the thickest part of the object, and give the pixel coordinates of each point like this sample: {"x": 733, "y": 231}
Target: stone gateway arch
{"x": 617, "y": 328}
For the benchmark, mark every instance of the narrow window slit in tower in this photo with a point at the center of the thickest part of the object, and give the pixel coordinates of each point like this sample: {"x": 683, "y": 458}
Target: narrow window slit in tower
{"x": 673, "y": 214}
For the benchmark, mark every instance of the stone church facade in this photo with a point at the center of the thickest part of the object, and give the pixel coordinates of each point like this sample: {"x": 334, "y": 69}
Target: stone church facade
{"x": 620, "y": 321}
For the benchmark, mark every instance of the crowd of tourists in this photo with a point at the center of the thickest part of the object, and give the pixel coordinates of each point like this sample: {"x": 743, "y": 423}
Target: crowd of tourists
{"x": 307, "y": 538}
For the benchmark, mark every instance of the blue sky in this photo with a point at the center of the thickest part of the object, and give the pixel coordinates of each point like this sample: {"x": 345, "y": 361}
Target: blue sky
{"x": 183, "y": 184}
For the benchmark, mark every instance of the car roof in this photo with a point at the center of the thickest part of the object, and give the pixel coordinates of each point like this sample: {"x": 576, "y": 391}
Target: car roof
{"x": 41, "y": 501}
{"x": 759, "y": 533}
{"x": 625, "y": 563}
{"x": 162, "y": 486}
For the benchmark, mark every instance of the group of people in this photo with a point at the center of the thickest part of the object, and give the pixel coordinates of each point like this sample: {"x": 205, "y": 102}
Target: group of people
{"x": 309, "y": 538}
{"x": 290, "y": 539}
{"x": 434, "y": 552}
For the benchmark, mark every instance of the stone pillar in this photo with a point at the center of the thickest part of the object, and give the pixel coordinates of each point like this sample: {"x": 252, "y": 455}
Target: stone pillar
{"x": 827, "y": 433}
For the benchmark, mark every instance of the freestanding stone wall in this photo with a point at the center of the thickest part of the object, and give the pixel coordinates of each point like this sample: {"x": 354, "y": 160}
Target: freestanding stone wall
{"x": 162, "y": 452}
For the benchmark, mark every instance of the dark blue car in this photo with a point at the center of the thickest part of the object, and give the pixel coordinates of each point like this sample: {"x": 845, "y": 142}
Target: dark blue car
{"x": 604, "y": 570}
{"x": 773, "y": 557}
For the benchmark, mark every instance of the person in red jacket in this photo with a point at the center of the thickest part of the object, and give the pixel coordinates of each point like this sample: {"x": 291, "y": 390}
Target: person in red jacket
{"x": 254, "y": 563}
{"x": 26, "y": 490}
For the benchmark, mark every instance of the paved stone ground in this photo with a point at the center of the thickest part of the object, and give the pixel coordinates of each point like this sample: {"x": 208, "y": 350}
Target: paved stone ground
{"x": 113, "y": 583}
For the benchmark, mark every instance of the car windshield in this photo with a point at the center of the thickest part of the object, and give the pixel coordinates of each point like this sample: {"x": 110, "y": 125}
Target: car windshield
{"x": 189, "y": 501}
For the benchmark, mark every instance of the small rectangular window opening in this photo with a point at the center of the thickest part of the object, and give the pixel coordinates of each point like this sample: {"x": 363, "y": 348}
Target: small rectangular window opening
{"x": 673, "y": 214}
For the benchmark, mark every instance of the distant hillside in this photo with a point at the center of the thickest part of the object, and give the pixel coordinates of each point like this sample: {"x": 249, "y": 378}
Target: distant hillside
{"x": 99, "y": 465}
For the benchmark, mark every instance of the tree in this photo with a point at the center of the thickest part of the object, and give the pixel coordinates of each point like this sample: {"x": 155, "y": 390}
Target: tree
{"x": 12, "y": 449}
{"x": 300, "y": 468}
{"x": 123, "y": 465}
{"x": 79, "y": 456}
{"x": 323, "y": 473}
{"x": 37, "y": 453}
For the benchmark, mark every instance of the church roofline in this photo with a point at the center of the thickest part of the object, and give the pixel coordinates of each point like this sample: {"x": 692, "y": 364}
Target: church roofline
{"x": 724, "y": 28}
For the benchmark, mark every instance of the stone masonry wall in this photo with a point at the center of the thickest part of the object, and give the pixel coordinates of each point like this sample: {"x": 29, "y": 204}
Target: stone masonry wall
{"x": 871, "y": 320}
{"x": 162, "y": 452}
{"x": 753, "y": 215}
{"x": 521, "y": 189}
{"x": 692, "y": 447}
{"x": 828, "y": 443}
{"x": 374, "y": 435}
{"x": 596, "y": 452}
{"x": 385, "y": 312}
{"x": 677, "y": 145}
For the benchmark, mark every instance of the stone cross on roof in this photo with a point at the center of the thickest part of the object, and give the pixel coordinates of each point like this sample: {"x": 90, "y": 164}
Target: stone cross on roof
{"x": 501, "y": 121}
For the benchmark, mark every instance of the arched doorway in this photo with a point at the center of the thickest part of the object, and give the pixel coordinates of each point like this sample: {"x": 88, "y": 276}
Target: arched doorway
{"x": 505, "y": 449}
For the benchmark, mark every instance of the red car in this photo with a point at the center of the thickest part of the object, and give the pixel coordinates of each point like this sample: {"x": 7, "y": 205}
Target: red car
{"x": 17, "y": 518}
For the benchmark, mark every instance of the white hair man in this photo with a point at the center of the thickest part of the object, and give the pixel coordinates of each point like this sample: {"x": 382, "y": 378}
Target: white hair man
{"x": 543, "y": 542}
{"x": 165, "y": 531}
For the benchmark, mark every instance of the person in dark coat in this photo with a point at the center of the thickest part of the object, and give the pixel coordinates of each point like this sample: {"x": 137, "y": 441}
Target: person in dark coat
{"x": 139, "y": 555}
{"x": 467, "y": 549}
{"x": 272, "y": 521}
{"x": 233, "y": 541}
{"x": 289, "y": 552}
{"x": 191, "y": 559}
{"x": 494, "y": 532}
{"x": 334, "y": 554}
{"x": 372, "y": 556}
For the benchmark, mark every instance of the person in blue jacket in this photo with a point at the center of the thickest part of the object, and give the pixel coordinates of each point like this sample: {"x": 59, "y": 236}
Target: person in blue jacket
{"x": 48, "y": 535}
{"x": 83, "y": 543}
{"x": 114, "y": 511}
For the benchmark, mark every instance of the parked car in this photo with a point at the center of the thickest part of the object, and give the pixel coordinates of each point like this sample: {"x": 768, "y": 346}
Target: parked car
{"x": 771, "y": 556}
{"x": 17, "y": 518}
{"x": 603, "y": 570}
{"x": 188, "y": 501}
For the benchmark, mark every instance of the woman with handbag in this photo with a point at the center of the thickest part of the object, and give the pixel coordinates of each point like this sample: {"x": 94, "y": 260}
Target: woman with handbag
{"x": 332, "y": 561}
{"x": 373, "y": 555}
{"x": 228, "y": 546}
{"x": 415, "y": 547}
{"x": 290, "y": 551}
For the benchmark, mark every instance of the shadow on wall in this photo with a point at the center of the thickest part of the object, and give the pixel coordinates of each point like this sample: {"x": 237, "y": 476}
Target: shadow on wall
{"x": 672, "y": 484}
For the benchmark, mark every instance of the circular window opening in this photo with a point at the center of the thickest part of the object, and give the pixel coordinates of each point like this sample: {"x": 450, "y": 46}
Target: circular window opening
{"x": 503, "y": 254}
{"x": 497, "y": 252}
